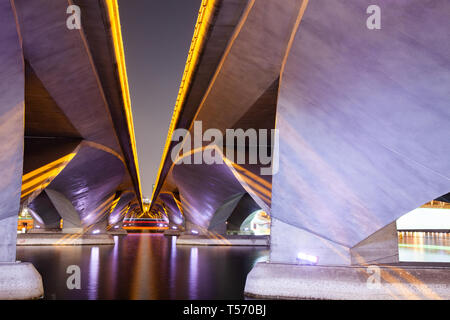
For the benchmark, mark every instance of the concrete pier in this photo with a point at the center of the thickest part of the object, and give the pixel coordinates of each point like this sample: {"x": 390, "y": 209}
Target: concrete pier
{"x": 172, "y": 232}
{"x": 20, "y": 281}
{"x": 63, "y": 239}
{"x": 223, "y": 241}
{"x": 374, "y": 282}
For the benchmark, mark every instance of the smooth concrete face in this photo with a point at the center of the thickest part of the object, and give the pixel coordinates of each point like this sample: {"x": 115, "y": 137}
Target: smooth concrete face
{"x": 381, "y": 247}
{"x": 359, "y": 112}
{"x": 8, "y": 235}
{"x": 99, "y": 227}
{"x": 65, "y": 209}
{"x": 20, "y": 281}
{"x": 172, "y": 204}
{"x": 218, "y": 221}
{"x": 11, "y": 130}
{"x": 44, "y": 213}
{"x": 370, "y": 282}
{"x": 287, "y": 241}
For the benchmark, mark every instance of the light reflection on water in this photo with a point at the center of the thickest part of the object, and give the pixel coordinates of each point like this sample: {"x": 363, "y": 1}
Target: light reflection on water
{"x": 151, "y": 266}
{"x": 145, "y": 266}
{"x": 424, "y": 246}
{"x": 94, "y": 266}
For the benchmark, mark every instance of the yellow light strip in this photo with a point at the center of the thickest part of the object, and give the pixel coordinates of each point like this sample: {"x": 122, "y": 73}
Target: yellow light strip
{"x": 48, "y": 166}
{"x": 201, "y": 29}
{"x": 41, "y": 177}
{"x": 116, "y": 32}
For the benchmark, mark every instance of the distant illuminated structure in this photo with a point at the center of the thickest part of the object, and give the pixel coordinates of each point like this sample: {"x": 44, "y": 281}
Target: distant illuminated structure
{"x": 257, "y": 223}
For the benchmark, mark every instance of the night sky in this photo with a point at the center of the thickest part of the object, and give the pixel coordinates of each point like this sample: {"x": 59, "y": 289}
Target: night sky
{"x": 156, "y": 35}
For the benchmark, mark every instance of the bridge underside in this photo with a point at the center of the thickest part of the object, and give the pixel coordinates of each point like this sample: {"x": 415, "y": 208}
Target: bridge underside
{"x": 67, "y": 148}
{"x": 362, "y": 115}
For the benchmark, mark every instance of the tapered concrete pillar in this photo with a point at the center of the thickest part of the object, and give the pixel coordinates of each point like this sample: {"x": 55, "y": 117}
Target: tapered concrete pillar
{"x": 17, "y": 280}
{"x": 357, "y": 132}
{"x": 71, "y": 219}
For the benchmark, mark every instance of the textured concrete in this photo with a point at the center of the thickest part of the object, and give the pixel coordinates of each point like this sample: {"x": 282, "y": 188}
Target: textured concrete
{"x": 356, "y": 111}
{"x": 63, "y": 239}
{"x": 218, "y": 222}
{"x": 118, "y": 232}
{"x": 380, "y": 247}
{"x": 65, "y": 210}
{"x": 172, "y": 204}
{"x": 171, "y": 232}
{"x": 284, "y": 281}
{"x": 11, "y": 129}
{"x": 223, "y": 241}
{"x": 8, "y": 234}
{"x": 20, "y": 281}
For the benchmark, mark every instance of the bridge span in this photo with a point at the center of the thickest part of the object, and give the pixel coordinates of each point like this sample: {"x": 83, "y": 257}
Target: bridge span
{"x": 67, "y": 150}
{"x": 362, "y": 116}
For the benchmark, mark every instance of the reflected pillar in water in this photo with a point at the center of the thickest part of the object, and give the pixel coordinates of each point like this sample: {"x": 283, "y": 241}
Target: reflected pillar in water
{"x": 193, "y": 273}
{"x": 173, "y": 259}
{"x": 94, "y": 268}
{"x": 141, "y": 288}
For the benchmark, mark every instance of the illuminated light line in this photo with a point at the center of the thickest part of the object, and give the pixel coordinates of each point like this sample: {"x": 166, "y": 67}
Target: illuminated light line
{"x": 41, "y": 186}
{"x": 198, "y": 41}
{"x": 299, "y": 18}
{"x": 249, "y": 182}
{"x": 258, "y": 187}
{"x": 47, "y": 167}
{"x": 116, "y": 32}
{"x": 177, "y": 202}
{"x": 138, "y": 221}
{"x": 253, "y": 176}
{"x": 104, "y": 148}
{"x": 122, "y": 213}
{"x": 41, "y": 179}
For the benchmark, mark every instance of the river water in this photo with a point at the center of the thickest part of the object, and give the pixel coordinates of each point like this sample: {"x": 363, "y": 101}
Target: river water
{"x": 151, "y": 266}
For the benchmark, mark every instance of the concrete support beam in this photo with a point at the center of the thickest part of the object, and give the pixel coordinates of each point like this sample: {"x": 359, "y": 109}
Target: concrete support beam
{"x": 71, "y": 219}
{"x": 17, "y": 280}
{"x": 12, "y": 86}
{"x": 63, "y": 239}
{"x": 8, "y": 235}
{"x": 223, "y": 213}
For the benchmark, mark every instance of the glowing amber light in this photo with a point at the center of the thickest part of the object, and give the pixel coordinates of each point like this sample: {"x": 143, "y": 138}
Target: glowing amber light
{"x": 201, "y": 29}
{"x": 116, "y": 32}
